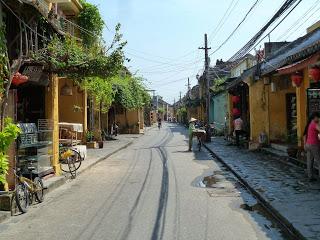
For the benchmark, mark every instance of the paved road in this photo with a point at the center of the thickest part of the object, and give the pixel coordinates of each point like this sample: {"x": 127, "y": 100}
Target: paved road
{"x": 154, "y": 189}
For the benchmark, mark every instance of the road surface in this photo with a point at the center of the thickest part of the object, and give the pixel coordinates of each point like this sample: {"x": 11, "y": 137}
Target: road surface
{"x": 154, "y": 189}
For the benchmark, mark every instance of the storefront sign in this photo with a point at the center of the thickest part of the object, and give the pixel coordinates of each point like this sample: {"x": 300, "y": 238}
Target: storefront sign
{"x": 313, "y": 96}
{"x": 33, "y": 72}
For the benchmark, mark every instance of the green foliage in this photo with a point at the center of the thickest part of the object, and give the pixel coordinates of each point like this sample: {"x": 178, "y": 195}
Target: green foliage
{"x": 218, "y": 84}
{"x": 69, "y": 57}
{"x": 161, "y": 110}
{"x": 182, "y": 111}
{"x": 7, "y": 136}
{"x": 131, "y": 93}
{"x": 90, "y": 19}
{"x": 101, "y": 89}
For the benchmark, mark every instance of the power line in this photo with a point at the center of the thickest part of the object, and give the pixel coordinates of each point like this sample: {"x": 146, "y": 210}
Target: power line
{"x": 237, "y": 27}
{"x": 245, "y": 49}
{"x": 275, "y": 26}
{"x": 222, "y": 20}
{"x": 294, "y": 26}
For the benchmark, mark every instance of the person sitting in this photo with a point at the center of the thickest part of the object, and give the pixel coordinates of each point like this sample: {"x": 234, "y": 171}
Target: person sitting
{"x": 238, "y": 129}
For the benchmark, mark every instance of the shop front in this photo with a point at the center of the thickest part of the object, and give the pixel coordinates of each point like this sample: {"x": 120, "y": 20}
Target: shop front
{"x": 31, "y": 106}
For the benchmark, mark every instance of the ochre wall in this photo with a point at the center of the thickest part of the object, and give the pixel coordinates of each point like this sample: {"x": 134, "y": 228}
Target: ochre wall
{"x": 52, "y": 112}
{"x": 277, "y": 110}
{"x": 129, "y": 119}
{"x": 258, "y": 102}
{"x": 302, "y": 106}
{"x": 67, "y": 112}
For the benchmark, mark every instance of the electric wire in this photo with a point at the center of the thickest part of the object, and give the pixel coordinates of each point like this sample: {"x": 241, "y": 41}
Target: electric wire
{"x": 237, "y": 27}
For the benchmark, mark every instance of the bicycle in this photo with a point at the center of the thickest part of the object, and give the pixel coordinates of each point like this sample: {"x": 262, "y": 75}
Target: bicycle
{"x": 34, "y": 185}
{"x": 200, "y": 134}
{"x": 25, "y": 190}
{"x": 70, "y": 160}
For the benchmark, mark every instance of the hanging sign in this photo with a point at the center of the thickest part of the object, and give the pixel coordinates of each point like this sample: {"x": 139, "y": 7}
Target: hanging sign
{"x": 313, "y": 96}
{"x": 33, "y": 72}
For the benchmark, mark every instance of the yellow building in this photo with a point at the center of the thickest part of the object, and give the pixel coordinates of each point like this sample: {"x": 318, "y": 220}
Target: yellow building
{"x": 279, "y": 108}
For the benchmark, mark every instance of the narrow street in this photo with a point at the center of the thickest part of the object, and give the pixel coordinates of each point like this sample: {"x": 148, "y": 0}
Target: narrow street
{"x": 153, "y": 189}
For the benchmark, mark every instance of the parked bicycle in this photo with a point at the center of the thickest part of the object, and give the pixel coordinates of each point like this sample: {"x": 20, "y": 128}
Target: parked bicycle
{"x": 70, "y": 160}
{"x": 26, "y": 190}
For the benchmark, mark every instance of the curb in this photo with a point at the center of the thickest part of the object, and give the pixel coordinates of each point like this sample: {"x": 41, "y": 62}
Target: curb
{"x": 285, "y": 224}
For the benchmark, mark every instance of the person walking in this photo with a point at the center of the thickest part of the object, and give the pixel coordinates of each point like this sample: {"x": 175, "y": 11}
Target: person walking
{"x": 191, "y": 129}
{"x": 238, "y": 129}
{"x": 312, "y": 144}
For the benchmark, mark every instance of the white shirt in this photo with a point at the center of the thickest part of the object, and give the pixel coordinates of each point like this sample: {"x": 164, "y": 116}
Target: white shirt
{"x": 238, "y": 124}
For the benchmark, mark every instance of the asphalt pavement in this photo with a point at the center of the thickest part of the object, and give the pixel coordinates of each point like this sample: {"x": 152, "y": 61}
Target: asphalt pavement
{"x": 153, "y": 189}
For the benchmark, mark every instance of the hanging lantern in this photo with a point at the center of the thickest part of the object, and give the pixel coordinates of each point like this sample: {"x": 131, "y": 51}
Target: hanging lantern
{"x": 296, "y": 79}
{"x": 235, "y": 99}
{"x": 66, "y": 90}
{"x": 314, "y": 73}
{"x": 19, "y": 79}
{"x": 236, "y": 112}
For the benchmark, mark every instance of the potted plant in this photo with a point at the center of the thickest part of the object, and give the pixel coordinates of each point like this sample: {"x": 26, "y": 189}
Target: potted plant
{"x": 90, "y": 140}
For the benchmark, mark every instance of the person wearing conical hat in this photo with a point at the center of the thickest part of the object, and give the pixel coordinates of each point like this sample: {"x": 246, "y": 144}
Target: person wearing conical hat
{"x": 191, "y": 129}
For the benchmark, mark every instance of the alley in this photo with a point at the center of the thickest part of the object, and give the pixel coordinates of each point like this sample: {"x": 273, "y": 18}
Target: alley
{"x": 154, "y": 189}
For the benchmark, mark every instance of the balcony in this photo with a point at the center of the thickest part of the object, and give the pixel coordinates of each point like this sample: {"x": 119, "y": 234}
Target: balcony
{"x": 65, "y": 26}
{"x": 42, "y": 6}
{"x": 69, "y": 7}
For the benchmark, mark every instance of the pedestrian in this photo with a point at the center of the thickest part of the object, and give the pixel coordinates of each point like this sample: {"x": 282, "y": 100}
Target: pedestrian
{"x": 191, "y": 129}
{"x": 115, "y": 129}
{"x": 312, "y": 144}
{"x": 238, "y": 129}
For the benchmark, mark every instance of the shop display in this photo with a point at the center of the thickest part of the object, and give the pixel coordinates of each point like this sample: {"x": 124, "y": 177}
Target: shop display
{"x": 34, "y": 148}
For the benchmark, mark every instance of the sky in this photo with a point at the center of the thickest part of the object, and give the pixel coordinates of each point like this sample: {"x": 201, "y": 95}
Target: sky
{"x": 164, "y": 35}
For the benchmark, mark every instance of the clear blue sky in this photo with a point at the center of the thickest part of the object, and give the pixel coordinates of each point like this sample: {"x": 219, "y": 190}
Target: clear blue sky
{"x": 164, "y": 35}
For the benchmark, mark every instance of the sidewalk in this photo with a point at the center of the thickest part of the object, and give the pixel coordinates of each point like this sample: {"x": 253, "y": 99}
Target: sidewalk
{"x": 94, "y": 156}
{"x": 283, "y": 187}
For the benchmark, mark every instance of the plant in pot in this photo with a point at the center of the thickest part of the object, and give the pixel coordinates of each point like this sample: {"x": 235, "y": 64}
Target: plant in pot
{"x": 90, "y": 139}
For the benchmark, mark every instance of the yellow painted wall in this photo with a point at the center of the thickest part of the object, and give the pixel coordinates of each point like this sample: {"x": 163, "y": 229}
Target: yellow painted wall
{"x": 258, "y": 102}
{"x": 52, "y": 112}
{"x": 67, "y": 112}
{"x": 277, "y": 110}
{"x": 302, "y": 106}
{"x": 129, "y": 120}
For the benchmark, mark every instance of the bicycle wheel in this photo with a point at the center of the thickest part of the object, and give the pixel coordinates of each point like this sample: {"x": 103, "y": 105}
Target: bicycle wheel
{"x": 77, "y": 158}
{"x": 39, "y": 194}
{"x": 22, "y": 197}
{"x": 72, "y": 167}
{"x": 199, "y": 145}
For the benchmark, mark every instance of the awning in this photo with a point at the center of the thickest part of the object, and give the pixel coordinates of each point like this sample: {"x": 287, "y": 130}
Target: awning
{"x": 298, "y": 65}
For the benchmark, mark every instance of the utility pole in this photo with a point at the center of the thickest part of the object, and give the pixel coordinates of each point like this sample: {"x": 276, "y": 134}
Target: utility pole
{"x": 180, "y": 98}
{"x": 189, "y": 88}
{"x": 206, "y": 65}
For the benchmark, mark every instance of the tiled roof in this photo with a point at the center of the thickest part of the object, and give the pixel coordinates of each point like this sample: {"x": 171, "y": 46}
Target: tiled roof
{"x": 294, "y": 51}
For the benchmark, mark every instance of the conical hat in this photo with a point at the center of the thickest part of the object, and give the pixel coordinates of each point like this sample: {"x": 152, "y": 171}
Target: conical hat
{"x": 192, "y": 120}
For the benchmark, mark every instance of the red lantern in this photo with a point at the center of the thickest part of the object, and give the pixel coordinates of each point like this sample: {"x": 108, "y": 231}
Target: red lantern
{"x": 235, "y": 99}
{"x": 314, "y": 73}
{"x": 296, "y": 79}
{"x": 236, "y": 112}
{"x": 19, "y": 79}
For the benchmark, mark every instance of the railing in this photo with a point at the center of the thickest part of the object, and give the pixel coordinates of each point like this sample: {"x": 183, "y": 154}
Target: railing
{"x": 41, "y": 5}
{"x": 64, "y": 25}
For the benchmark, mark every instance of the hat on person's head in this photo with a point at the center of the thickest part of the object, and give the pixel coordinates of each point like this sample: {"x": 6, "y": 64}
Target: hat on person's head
{"x": 192, "y": 120}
